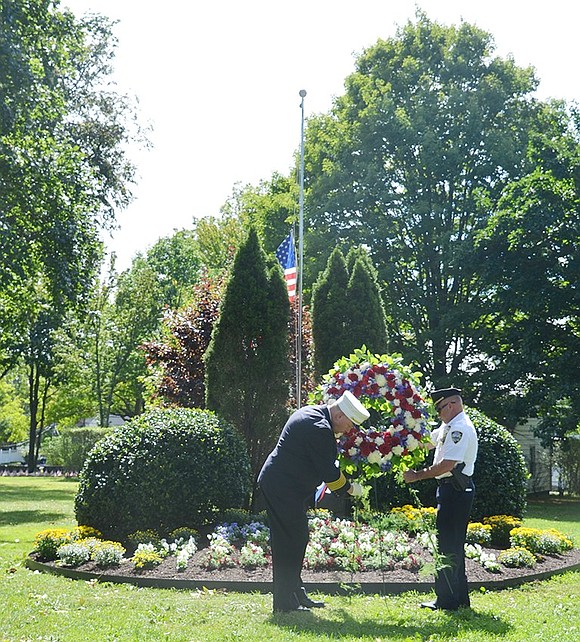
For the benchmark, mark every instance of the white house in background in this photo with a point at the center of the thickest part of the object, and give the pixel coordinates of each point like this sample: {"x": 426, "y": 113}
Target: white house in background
{"x": 13, "y": 453}
{"x": 114, "y": 420}
{"x": 538, "y": 459}
{"x": 16, "y": 453}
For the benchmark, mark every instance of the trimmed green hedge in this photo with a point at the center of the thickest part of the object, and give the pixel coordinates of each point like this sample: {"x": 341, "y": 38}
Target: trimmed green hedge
{"x": 71, "y": 447}
{"x": 163, "y": 470}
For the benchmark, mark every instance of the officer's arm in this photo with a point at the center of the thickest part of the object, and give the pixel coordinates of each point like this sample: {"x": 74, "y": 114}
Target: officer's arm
{"x": 444, "y": 466}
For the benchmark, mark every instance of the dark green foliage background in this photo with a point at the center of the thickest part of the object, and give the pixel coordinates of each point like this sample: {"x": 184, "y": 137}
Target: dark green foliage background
{"x": 163, "y": 470}
{"x": 500, "y": 476}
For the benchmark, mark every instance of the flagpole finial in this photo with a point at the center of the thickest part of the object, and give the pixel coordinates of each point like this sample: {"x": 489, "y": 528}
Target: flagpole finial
{"x": 302, "y": 93}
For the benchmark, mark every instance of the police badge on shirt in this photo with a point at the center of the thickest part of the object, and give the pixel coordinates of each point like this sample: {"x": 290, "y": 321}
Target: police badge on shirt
{"x": 456, "y": 436}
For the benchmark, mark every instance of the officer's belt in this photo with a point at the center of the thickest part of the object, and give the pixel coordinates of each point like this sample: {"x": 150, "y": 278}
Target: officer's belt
{"x": 450, "y": 480}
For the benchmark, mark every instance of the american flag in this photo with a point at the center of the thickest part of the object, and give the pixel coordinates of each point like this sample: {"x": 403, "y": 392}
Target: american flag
{"x": 287, "y": 258}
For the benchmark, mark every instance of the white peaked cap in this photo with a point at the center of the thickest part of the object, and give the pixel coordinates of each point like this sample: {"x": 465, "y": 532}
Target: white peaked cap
{"x": 352, "y": 408}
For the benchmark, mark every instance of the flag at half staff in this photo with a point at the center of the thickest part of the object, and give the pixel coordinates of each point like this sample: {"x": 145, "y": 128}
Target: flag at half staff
{"x": 286, "y": 255}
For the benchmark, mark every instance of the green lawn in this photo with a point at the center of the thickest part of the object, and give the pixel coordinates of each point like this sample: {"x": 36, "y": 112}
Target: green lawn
{"x": 37, "y": 607}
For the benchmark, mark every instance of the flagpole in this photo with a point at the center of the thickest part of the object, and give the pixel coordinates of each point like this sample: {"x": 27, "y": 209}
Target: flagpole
{"x": 300, "y": 259}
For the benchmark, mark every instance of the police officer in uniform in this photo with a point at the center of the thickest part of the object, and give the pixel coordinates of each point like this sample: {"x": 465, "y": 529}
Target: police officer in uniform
{"x": 455, "y": 443}
{"x": 303, "y": 458}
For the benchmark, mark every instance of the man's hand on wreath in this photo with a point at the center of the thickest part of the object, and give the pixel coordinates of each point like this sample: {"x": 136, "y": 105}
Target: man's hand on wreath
{"x": 356, "y": 490}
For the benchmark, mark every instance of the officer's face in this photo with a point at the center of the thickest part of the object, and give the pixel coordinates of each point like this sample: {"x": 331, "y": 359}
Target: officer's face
{"x": 447, "y": 410}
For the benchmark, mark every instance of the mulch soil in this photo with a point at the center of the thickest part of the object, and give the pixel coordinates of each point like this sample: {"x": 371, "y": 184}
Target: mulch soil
{"x": 196, "y": 571}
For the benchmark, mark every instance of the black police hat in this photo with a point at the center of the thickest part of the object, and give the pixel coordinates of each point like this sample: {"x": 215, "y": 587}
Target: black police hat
{"x": 444, "y": 393}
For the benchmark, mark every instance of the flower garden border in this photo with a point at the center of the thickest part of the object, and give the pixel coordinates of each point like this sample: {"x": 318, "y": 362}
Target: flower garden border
{"x": 328, "y": 587}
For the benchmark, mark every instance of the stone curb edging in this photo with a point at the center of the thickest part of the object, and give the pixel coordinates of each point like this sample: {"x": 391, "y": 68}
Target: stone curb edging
{"x": 328, "y": 588}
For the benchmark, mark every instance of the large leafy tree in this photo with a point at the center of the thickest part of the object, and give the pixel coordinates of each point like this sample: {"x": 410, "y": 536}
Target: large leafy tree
{"x": 123, "y": 318}
{"x": 63, "y": 171}
{"x": 176, "y": 261}
{"x": 247, "y": 370}
{"x": 529, "y": 254}
{"x": 410, "y": 163}
{"x": 101, "y": 365}
{"x": 270, "y": 207}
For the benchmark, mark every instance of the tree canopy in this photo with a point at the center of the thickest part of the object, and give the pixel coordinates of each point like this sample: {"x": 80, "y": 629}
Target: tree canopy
{"x": 63, "y": 173}
{"x": 434, "y": 146}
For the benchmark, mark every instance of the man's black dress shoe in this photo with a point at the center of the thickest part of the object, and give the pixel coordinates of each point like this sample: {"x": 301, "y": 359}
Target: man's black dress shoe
{"x": 429, "y": 605}
{"x": 304, "y": 600}
{"x": 435, "y": 607}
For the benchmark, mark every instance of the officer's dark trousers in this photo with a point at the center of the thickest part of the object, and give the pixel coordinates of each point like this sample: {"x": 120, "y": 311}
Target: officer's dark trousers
{"x": 453, "y": 510}
{"x": 288, "y": 540}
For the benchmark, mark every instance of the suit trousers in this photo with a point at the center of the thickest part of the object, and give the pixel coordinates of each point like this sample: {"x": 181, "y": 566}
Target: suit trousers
{"x": 453, "y": 510}
{"x": 288, "y": 541}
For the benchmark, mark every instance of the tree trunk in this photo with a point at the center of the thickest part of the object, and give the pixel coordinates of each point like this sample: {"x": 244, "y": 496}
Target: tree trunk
{"x": 33, "y": 386}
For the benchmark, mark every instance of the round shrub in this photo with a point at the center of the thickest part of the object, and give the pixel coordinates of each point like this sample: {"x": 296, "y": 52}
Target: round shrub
{"x": 500, "y": 476}
{"x": 163, "y": 470}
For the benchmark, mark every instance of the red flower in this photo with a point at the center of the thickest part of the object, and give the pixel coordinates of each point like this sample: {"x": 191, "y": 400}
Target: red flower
{"x": 386, "y": 447}
{"x": 366, "y": 448}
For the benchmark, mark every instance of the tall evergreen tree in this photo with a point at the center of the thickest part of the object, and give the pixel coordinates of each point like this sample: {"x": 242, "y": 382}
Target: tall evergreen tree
{"x": 247, "y": 369}
{"x": 347, "y": 309}
{"x": 329, "y": 313}
{"x": 366, "y": 314}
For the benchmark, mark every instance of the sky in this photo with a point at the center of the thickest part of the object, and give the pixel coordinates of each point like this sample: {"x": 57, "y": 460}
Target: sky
{"x": 219, "y": 82}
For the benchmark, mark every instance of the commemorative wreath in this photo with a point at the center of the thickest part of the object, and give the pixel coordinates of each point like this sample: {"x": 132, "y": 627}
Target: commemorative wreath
{"x": 385, "y": 385}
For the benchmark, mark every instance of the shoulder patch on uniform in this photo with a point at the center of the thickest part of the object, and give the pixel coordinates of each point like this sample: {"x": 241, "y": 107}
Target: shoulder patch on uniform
{"x": 456, "y": 435}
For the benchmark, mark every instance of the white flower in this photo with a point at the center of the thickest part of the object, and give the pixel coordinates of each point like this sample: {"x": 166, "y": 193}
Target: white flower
{"x": 397, "y": 450}
{"x": 374, "y": 457}
{"x": 412, "y": 443}
{"x": 381, "y": 381}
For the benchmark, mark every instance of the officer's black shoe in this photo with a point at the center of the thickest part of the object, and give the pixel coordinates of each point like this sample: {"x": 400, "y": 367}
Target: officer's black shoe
{"x": 291, "y": 609}
{"x": 304, "y": 600}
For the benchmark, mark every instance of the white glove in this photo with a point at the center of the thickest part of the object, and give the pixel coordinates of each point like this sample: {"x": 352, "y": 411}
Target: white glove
{"x": 356, "y": 490}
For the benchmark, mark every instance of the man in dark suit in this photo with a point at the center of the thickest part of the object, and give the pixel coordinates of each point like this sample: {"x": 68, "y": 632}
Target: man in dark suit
{"x": 304, "y": 457}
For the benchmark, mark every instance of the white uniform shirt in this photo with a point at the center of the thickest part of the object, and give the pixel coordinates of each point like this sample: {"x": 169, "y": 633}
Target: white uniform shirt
{"x": 457, "y": 441}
